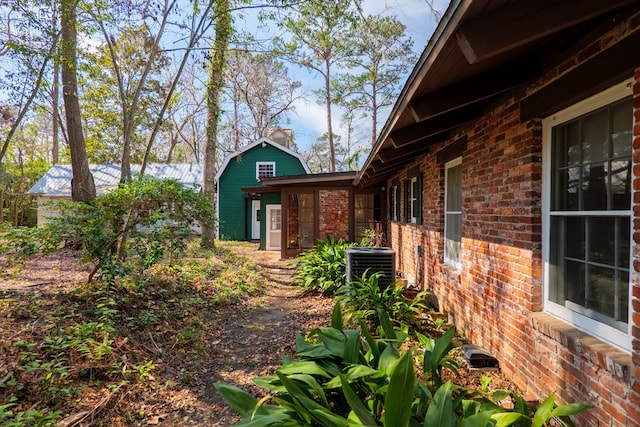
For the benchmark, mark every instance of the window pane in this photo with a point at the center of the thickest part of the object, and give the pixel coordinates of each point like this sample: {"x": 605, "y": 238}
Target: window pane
{"x": 623, "y": 241}
{"x": 306, "y": 201}
{"x": 595, "y": 135}
{"x": 622, "y": 119}
{"x": 565, "y": 185}
{"x": 566, "y": 144}
{"x": 453, "y": 236}
{"x": 621, "y": 184}
{"x": 276, "y": 219}
{"x": 574, "y": 283}
{"x": 602, "y": 242}
{"x": 306, "y": 235}
{"x": 623, "y": 297}
{"x": 594, "y": 187}
{"x": 602, "y": 290}
{"x": 454, "y": 189}
{"x": 574, "y": 238}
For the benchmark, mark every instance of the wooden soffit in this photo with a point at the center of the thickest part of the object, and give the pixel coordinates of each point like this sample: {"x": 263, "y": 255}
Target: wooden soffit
{"x": 524, "y": 22}
{"x": 476, "y": 89}
{"x": 434, "y": 126}
{"x": 609, "y": 67}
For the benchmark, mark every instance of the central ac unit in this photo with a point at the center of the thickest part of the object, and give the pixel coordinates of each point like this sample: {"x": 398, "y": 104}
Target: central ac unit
{"x": 375, "y": 260}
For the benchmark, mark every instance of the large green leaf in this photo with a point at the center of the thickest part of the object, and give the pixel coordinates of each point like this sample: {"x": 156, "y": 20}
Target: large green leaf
{"x": 476, "y": 420}
{"x": 388, "y": 359}
{"x": 241, "y": 401}
{"x": 508, "y": 418}
{"x": 433, "y": 359}
{"x": 544, "y": 411}
{"x": 373, "y": 345}
{"x": 303, "y": 367}
{"x": 313, "y": 385}
{"x": 352, "y": 346}
{"x": 569, "y": 409}
{"x": 333, "y": 339}
{"x": 359, "y": 408}
{"x": 352, "y": 373}
{"x": 440, "y": 412}
{"x": 399, "y": 397}
{"x": 387, "y": 327}
{"x": 309, "y": 408}
{"x": 336, "y": 316}
{"x": 270, "y": 420}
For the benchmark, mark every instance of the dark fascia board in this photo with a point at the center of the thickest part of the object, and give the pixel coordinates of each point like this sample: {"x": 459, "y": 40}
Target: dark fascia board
{"x": 476, "y": 89}
{"x": 609, "y": 67}
{"x": 408, "y": 151}
{"x": 518, "y": 23}
{"x": 435, "y": 126}
{"x": 453, "y": 150}
{"x": 333, "y": 179}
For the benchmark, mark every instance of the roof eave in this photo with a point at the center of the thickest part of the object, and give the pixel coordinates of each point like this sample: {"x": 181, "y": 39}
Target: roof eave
{"x": 445, "y": 29}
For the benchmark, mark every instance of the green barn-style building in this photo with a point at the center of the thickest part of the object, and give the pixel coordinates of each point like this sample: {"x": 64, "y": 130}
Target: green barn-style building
{"x": 240, "y": 215}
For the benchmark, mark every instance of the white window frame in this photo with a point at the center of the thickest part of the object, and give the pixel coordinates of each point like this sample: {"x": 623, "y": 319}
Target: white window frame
{"x": 413, "y": 197}
{"x": 456, "y": 263}
{"x": 258, "y": 164}
{"x": 603, "y": 331}
{"x": 394, "y": 203}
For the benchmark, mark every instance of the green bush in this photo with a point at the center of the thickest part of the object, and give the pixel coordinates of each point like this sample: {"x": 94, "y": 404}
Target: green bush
{"x": 364, "y": 298}
{"x": 344, "y": 377}
{"x": 125, "y": 231}
{"x": 323, "y": 268}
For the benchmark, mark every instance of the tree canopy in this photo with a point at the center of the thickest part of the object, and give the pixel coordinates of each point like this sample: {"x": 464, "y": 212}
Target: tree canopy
{"x": 133, "y": 76}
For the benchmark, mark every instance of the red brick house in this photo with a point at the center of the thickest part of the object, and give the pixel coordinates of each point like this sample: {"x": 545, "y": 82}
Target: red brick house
{"x": 512, "y": 167}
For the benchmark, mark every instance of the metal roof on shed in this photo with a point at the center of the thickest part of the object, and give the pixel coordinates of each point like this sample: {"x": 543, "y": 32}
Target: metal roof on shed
{"x": 57, "y": 181}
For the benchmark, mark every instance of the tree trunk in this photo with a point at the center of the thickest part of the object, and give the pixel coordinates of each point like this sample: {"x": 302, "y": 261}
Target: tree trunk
{"x": 214, "y": 92}
{"x": 55, "y": 150}
{"x": 82, "y": 186}
{"x": 332, "y": 150}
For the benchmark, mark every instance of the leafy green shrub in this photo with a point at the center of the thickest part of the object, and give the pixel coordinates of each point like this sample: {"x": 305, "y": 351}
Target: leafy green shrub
{"x": 323, "y": 268}
{"x": 125, "y": 231}
{"x": 364, "y": 298}
{"x": 344, "y": 377}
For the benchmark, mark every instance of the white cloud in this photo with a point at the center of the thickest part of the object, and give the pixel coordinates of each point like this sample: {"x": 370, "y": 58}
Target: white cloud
{"x": 309, "y": 122}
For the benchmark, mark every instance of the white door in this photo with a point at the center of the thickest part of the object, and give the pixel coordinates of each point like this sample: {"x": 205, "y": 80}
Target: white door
{"x": 274, "y": 227}
{"x": 255, "y": 220}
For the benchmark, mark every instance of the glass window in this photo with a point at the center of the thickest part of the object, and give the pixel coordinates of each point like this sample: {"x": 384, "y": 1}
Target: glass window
{"x": 301, "y": 219}
{"x": 276, "y": 220}
{"x": 589, "y": 216}
{"x": 413, "y": 199}
{"x": 453, "y": 213}
{"x": 366, "y": 213}
{"x": 414, "y": 191}
{"x": 394, "y": 206}
{"x": 265, "y": 170}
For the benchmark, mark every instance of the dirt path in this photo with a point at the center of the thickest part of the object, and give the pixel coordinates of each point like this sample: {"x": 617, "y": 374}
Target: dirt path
{"x": 251, "y": 339}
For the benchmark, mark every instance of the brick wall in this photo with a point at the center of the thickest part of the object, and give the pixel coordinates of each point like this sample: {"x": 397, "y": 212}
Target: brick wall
{"x": 496, "y": 299}
{"x": 334, "y": 214}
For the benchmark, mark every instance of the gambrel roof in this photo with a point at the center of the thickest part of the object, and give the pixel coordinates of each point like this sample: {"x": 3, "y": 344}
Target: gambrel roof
{"x": 260, "y": 141}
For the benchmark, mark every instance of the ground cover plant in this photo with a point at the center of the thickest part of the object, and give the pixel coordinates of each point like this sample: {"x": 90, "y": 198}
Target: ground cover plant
{"x": 98, "y": 352}
{"x": 121, "y": 233}
{"x": 364, "y": 298}
{"x": 347, "y": 377}
{"x": 323, "y": 268}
